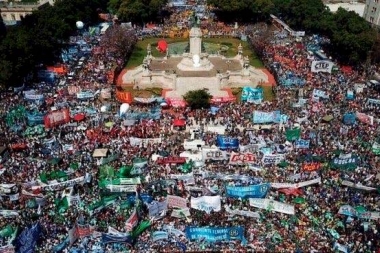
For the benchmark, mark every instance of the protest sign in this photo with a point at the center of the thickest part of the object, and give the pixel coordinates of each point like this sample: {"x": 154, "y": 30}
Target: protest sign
{"x": 252, "y": 191}
{"x": 206, "y": 203}
{"x": 272, "y": 205}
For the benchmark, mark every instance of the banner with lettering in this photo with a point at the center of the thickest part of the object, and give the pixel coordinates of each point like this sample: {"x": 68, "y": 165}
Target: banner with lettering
{"x": 111, "y": 238}
{"x": 252, "y": 95}
{"x": 296, "y": 185}
{"x": 134, "y": 141}
{"x": 175, "y": 201}
{"x": 302, "y": 144}
{"x": 155, "y": 208}
{"x": 272, "y": 158}
{"x": 242, "y": 158}
{"x": 225, "y": 142}
{"x": 61, "y": 185}
{"x": 213, "y": 234}
{"x": 260, "y": 117}
{"x": 322, "y": 66}
{"x": 272, "y": 205}
{"x": 28, "y": 238}
{"x": 213, "y": 154}
{"x": 345, "y": 163}
{"x": 206, "y": 203}
{"x": 309, "y": 167}
{"x": 85, "y": 94}
{"x": 186, "y": 178}
{"x": 57, "y": 118}
{"x": 251, "y": 191}
{"x": 358, "y": 186}
{"x": 244, "y": 213}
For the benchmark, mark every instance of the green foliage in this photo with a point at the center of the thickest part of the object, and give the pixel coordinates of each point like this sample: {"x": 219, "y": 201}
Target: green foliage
{"x": 137, "y": 11}
{"x": 242, "y": 10}
{"x": 198, "y": 99}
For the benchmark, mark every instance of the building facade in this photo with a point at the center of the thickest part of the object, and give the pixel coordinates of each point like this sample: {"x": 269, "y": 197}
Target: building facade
{"x": 14, "y": 12}
{"x": 372, "y": 12}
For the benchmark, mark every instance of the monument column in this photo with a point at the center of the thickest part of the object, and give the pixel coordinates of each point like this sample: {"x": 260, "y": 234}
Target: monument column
{"x": 195, "y": 41}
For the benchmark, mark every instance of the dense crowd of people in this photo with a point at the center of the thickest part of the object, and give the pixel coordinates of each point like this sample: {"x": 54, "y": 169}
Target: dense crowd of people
{"x": 104, "y": 180}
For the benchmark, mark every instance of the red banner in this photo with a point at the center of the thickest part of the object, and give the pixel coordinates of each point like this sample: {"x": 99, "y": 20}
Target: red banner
{"x": 223, "y": 99}
{"x": 242, "y": 158}
{"x": 291, "y": 191}
{"x": 169, "y": 160}
{"x": 311, "y": 166}
{"x": 83, "y": 231}
{"x": 124, "y": 96}
{"x": 57, "y": 118}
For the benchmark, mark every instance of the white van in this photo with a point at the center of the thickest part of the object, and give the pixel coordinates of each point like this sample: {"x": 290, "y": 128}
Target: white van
{"x": 193, "y": 144}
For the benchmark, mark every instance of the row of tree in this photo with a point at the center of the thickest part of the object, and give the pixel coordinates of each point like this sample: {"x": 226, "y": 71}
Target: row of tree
{"x": 352, "y": 38}
{"x": 41, "y": 36}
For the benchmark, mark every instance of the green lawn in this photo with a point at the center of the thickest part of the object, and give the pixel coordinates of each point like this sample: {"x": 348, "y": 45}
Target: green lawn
{"x": 139, "y": 52}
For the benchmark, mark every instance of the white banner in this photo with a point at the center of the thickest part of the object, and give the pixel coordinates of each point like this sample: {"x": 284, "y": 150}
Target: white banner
{"x": 160, "y": 235}
{"x": 213, "y": 154}
{"x": 272, "y": 205}
{"x": 181, "y": 213}
{"x": 206, "y": 203}
{"x": 156, "y": 208}
{"x": 175, "y": 201}
{"x": 135, "y": 180}
{"x": 272, "y": 158}
{"x": 173, "y": 231}
{"x": 121, "y": 188}
{"x": 8, "y": 213}
{"x": 322, "y": 66}
{"x": 297, "y": 185}
{"x": 242, "y": 158}
{"x": 73, "y": 200}
{"x": 242, "y": 212}
{"x": 14, "y": 197}
{"x": 65, "y": 184}
{"x": 134, "y": 141}
{"x": 357, "y": 186}
{"x": 186, "y": 178}
{"x": 23, "y": 192}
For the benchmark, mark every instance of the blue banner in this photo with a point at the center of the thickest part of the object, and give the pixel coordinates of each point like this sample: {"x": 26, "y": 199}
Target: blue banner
{"x": 27, "y": 240}
{"x": 35, "y": 118}
{"x": 251, "y": 191}
{"x": 302, "y": 143}
{"x": 266, "y": 117}
{"x": 349, "y": 118}
{"x": 224, "y": 142}
{"x": 144, "y": 197}
{"x": 350, "y": 95}
{"x": 252, "y": 95}
{"x": 214, "y": 110}
{"x": 214, "y": 234}
{"x": 112, "y": 238}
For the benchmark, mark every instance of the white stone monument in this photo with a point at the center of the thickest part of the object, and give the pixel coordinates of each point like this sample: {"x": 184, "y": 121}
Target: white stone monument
{"x": 195, "y": 41}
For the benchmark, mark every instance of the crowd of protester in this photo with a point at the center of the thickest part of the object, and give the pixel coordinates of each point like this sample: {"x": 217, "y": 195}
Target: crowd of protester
{"x": 33, "y": 212}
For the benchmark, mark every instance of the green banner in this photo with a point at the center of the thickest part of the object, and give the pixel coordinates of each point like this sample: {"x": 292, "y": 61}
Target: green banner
{"x": 106, "y": 171}
{"x": 54, "y": 175}
{"x": 7, "y": 231}
{"x": 62, "y": 205}
{"x": 293, "y": 134}
{"x": 345, "y": 163}
{"x": 376, "y": 148}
